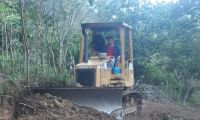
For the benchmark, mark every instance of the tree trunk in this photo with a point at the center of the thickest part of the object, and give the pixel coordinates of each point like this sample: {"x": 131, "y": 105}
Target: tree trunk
{"x": 25, "y": 43}
{"x": 3, "y": 43}
{"x": 42, "y": 62}
{"x": 6, "y": 42}
{"x": 187, "y": 95}
{"x": 53, "y": 58}
{"x": 9, "y": 45}
{"x": 37, "y": 22}
{"x": 11, "y": 48}
{"x": 61, "y": 56}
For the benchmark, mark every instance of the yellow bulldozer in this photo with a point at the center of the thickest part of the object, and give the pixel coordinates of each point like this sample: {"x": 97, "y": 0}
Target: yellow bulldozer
{"x": 100, "y": 85}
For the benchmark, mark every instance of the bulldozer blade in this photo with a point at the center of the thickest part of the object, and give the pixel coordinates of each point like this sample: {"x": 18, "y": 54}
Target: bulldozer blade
{"x": 102, "y": 99}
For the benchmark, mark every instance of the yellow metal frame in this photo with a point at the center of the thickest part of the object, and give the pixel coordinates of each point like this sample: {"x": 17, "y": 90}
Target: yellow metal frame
{"x": 104, "y": 76}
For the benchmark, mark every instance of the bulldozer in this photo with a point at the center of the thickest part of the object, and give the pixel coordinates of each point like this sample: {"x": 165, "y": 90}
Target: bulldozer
{"x": 100, "y": 85}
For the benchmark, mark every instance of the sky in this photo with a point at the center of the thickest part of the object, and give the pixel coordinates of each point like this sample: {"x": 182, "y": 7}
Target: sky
{"x": 162, "y": 1}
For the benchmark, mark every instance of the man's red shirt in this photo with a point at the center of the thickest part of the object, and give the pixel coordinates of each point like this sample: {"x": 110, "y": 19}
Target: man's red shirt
{"x": 110, "y": 51}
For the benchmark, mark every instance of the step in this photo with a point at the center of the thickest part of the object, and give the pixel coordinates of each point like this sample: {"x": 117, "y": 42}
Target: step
{"x": 117, "y": 81}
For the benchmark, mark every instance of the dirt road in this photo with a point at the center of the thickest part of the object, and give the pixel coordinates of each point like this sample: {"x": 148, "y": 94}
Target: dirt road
{"x": 166, "y": 111}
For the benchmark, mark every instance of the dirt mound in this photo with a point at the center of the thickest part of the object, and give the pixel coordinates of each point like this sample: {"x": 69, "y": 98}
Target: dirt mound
{"x": 6, "y": 107}
{"x": 165, "y": 111}
{"x": 8, "y": 91}
{"x": 48, "y": 107}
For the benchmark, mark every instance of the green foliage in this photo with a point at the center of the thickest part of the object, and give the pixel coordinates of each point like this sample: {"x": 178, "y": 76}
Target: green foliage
{"x": 155, "y": 75}
{"x": 194, "y": 99}
{"x": 52, "y": 41}
{"x": 166, "y": 42}
{"x": 52, "y": 79}
{"x": 8, "y": 13}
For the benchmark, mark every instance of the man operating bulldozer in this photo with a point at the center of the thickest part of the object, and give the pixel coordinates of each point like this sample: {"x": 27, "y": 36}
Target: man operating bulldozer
{"x": 113, "y": 51}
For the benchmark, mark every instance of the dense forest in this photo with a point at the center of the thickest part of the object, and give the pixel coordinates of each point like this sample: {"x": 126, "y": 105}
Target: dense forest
{"x": 40, "y": 39}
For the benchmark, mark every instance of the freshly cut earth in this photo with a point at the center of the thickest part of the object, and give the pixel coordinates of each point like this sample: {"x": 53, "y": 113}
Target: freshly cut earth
{"x": 48, "y": 107}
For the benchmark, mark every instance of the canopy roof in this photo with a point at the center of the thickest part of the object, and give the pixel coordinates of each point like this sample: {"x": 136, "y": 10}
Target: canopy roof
{"x": 105, "y": 26}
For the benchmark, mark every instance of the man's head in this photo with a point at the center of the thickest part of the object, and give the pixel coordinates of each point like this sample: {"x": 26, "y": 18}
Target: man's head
{"x": 110, "y": 41}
